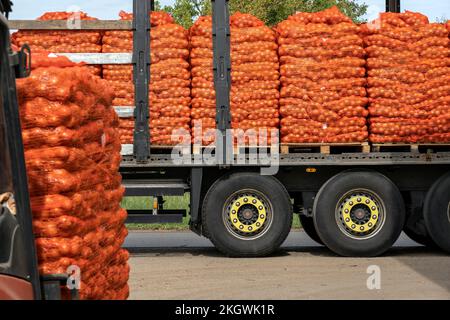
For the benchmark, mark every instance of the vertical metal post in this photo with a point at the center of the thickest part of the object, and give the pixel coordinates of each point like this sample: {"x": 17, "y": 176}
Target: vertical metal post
{"x": 141, "y": 75}
{"x": 222, "y": 77}
{"x": 196, "y": 192}
{"x": 393, "y": 6}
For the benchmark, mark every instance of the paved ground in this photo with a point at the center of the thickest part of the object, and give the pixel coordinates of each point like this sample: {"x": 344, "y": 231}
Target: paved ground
{"x": 185, "y": 266}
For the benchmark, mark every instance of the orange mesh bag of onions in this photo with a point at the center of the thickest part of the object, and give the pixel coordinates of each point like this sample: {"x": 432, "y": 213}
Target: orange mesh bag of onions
{"x": 408, "y": 79}
{"x": 170, "y": 79}
{"x": 62, "y": 41}
{"x": 72, "y": 154}
{"x": 254, "y": 78}
{"x": 323, "y": 96}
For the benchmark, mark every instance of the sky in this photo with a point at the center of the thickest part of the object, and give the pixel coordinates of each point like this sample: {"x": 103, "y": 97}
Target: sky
{"x": 109, "y": 9}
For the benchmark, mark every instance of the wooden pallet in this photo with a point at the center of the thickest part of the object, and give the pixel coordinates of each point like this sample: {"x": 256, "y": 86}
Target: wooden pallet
{"x": 410, "y": 147}
{"x": 325, "y": 148}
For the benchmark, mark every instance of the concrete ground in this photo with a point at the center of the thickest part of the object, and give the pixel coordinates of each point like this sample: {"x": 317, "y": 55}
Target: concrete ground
{"x": 185, "y": 266}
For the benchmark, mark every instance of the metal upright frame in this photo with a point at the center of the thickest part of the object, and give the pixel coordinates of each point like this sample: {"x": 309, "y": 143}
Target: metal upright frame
{"x": 393, "y": 6}
{"x": 141, "y": 74}
{"x": 222, "y": 77}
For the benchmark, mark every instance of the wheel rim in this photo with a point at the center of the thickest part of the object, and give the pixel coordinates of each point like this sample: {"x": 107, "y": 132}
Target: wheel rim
{"x": 360, "y": 214}
{"x": 247, "y": 214}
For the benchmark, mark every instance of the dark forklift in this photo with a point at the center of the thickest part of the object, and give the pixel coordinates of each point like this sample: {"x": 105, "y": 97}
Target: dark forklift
{"x": 19, "y": 275}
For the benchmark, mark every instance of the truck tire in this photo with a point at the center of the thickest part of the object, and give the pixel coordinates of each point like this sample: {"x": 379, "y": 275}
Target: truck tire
{"x": 436, "y": 212}
{"x": 309, "y": 228}
{"x": 359, "y": 214}
{"x": 247, "y": 215}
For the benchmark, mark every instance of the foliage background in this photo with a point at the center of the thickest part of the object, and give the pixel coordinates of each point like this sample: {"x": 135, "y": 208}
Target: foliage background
{"x": 270, "y": 11}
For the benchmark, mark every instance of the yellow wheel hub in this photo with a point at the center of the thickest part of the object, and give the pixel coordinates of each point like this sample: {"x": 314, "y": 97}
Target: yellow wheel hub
{"x": 355, "y": 214}
{"x": 243, "y": 214}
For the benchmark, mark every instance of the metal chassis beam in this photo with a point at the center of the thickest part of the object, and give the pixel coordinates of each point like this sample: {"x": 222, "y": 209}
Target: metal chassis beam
{"x": 310, "y": 159}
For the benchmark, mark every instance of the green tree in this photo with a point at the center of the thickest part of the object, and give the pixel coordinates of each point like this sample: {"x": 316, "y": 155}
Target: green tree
{"x": 186, "y": 11}
{"x": 269, "y": 11}
{"x": 158, "y": 5}
{"x": 442, "y": 19}
{"x": 275, "y": 11}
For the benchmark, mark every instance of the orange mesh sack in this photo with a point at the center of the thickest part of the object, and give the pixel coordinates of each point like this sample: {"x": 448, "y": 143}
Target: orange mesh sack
{"x": 62, "y": 41}
{"x": 254, "y": 76}
{"x": 408, "y": 79}
{"x": 170, "y": 93}
{"x": 323, "y": 95}
{"x": 72, "y": 154}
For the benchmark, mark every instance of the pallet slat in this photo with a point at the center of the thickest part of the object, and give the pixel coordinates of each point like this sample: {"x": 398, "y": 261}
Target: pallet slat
{"x": 99, "y": 58}
{"x": 125, "y": 112}
{"x": 69, "y": 25}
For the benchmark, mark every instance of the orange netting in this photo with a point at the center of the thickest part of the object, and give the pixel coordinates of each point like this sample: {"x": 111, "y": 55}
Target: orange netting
{"x": 254, "y": 77}
{"x": 62, "y": 41}
{"x": 408, "y": 79}
{"x": 170, "y": 78}
{"x": 323, "y": 95}
{"x": 72, "y": 153}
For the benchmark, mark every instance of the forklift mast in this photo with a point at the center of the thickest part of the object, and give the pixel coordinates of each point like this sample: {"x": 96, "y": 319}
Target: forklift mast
{"x": 19, "y": 277}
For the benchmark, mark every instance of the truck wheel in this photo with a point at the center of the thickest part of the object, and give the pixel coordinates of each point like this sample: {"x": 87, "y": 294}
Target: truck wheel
{"x": 247, "y": 215}
{"x": 310, "y": 229}
{"x": 436, "y": 212}
{"x": 359, "y": 214}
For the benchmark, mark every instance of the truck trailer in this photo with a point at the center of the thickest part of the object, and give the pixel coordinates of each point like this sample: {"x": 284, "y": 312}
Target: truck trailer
{"x": 354, "y": 198}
